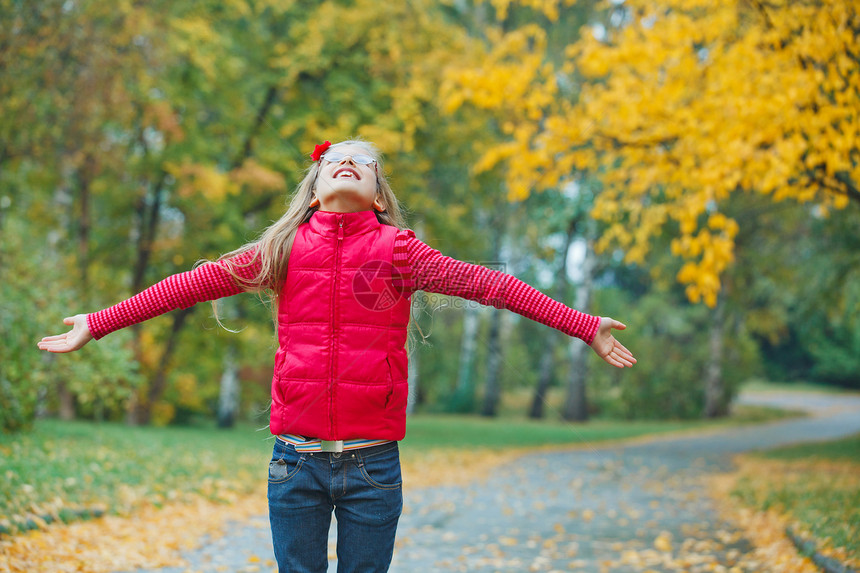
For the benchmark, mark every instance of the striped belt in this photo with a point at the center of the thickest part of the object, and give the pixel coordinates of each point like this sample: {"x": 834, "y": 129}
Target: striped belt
{"x": 303, "y": 444}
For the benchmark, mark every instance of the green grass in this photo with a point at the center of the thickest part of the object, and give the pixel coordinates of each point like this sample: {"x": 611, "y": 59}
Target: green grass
{"x": 846, "y": 449}
{"x": 73, "y": 470}
{"x": 758, "y": 385}
{"x": 457, "y": 432}
{"x": 70, "y": 470}
{"x": 816, "y": 484}
{"x": 438, "y": 430}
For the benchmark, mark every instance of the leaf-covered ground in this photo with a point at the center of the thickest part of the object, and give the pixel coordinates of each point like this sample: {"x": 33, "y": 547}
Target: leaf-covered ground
{"x": 62, "y": 471}
{"x": 814, "y": 489}
{"x": 151, "y": 537}
{"x": 67, "y": 471}
{"x": 159, "y": 526}
{"x": 154, "y": 537}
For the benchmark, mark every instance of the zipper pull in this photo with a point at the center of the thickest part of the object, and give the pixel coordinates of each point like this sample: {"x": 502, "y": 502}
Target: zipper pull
{"x": 340, "y": 228}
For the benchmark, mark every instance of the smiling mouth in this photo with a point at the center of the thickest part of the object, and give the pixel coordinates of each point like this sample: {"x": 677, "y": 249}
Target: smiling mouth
{"x": 346, "y": 172}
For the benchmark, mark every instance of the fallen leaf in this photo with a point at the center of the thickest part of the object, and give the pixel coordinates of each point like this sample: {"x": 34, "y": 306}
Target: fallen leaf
{"x": 663, "y": 542}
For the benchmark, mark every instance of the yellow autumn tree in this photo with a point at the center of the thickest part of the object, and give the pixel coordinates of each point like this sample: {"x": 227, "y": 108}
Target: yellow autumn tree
{"x": 680, "y": 105}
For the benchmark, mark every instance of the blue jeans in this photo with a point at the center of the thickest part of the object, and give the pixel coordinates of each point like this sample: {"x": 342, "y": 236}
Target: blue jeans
{"x": 362, "y": 486}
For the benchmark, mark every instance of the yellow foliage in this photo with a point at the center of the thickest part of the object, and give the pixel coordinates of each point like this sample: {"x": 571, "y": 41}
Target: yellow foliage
{"x": 663, "y": 542}
{"x": 151, "y": 538}
{"x": 193, "y": 36}
{"x": 187, "y": 387}
{"x": 685, "y": 105}
{"x": 793, "y": 484}
{"x": 150, "y": 350}
{"x": 405, "y": 57}
{"x": 162, "y": 413}
{"x": 256, "y": 177}
{"x": 548, "y": 8}
{"x": 165, "y": 120}
{"x": 208, "y": 181}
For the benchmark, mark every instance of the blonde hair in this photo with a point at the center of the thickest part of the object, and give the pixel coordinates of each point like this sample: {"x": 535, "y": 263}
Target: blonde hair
{"x": 273, "y": 247}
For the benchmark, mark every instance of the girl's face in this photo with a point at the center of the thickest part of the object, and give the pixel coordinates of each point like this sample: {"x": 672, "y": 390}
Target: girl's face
{"x": 345, "y": 185}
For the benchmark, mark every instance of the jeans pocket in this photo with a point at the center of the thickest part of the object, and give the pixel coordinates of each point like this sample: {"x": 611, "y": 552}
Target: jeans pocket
{"x": 285, "y": 463}
{"x": 382, "y": 471}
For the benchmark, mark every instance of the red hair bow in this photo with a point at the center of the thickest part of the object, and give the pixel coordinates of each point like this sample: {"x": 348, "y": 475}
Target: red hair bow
{"x": 319, "y": 150}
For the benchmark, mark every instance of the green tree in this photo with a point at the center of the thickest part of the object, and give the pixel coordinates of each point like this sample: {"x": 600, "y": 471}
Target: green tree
{"x": 157, "y": 122}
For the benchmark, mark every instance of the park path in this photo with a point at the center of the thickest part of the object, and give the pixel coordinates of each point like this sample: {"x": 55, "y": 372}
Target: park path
{"x": 623, "y": 508}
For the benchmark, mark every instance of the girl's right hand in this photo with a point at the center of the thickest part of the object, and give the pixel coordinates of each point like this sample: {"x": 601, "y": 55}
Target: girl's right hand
{"x": 72, "y": 340}
{"x": 605, "y": 345}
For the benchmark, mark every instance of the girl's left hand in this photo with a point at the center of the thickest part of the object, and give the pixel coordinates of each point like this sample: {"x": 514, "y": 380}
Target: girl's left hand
{"x": 605, "y": 345}
{"x": 70, "y": 341}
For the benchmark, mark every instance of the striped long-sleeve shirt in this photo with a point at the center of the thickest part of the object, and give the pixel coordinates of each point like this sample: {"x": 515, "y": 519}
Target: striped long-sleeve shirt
{"x": 420, "y": 267}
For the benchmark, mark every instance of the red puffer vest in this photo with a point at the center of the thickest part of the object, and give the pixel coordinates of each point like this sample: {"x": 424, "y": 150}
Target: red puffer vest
{"x": 340, "y": 370}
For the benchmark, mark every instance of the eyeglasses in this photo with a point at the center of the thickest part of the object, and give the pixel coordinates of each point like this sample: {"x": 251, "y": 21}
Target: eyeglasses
{"x": 361, "y": 159}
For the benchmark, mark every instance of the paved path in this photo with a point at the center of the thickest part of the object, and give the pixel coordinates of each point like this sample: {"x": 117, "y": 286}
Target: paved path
{"x": 607, "y": 508}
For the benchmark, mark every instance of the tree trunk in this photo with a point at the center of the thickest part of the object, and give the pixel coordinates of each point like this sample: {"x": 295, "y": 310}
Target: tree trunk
{"x": 228, "y": 396}
{"x": 716, "y": 404}
{"x": 492, "y": 383}
{"x": 544, "y": 380}
{"x": 546, "y": 362}
{"x": 576, "y": 403}
{"x": 159, "y": 381}
{"x": 85, "y": 174}
{"x": 464, "y": 393}
{"x": 66, "y": 401}
{"x": 132, "y": 409}
{"x": 412, "y": 380}
{"x": 148, "y": 220}
{"x": 493, "y": 387}
{"x": 139, "y": 411}
{"x": 64, "y": 198}
{"x": 259, "y": 121}
{"x": 132, "y": 405}
{"x": 413, "y": 377}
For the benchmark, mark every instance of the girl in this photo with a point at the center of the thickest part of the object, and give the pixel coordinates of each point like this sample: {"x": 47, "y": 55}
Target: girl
{"x": 339, "y": 387}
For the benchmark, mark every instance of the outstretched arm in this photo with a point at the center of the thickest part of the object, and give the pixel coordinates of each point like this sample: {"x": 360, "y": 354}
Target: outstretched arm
{"x": 72, "y": 340}
{"x": 424, "y": 268}
{"x": 605, "y": 345}
{"x": 209, "y": 281}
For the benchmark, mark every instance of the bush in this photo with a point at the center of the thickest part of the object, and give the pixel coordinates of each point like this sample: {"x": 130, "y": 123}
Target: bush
{"x": 35, "y": 295}
{"x": 670, "y": 339}
{"x": 21, "y": 376}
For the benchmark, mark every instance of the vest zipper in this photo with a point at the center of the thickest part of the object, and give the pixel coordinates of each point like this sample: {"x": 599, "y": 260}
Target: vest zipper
{"x": 334, "y": 324}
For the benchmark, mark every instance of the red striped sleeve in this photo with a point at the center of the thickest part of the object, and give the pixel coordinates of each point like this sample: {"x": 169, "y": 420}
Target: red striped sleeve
{"x": 209, "y": 281}
{"x": 428, "y": 270}
{"x": 402, "y": 280}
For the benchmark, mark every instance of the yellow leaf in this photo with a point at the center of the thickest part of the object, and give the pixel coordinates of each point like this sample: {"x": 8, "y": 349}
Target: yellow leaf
{"x": 676, "y": 111}
{"x": 663, "y": 542}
